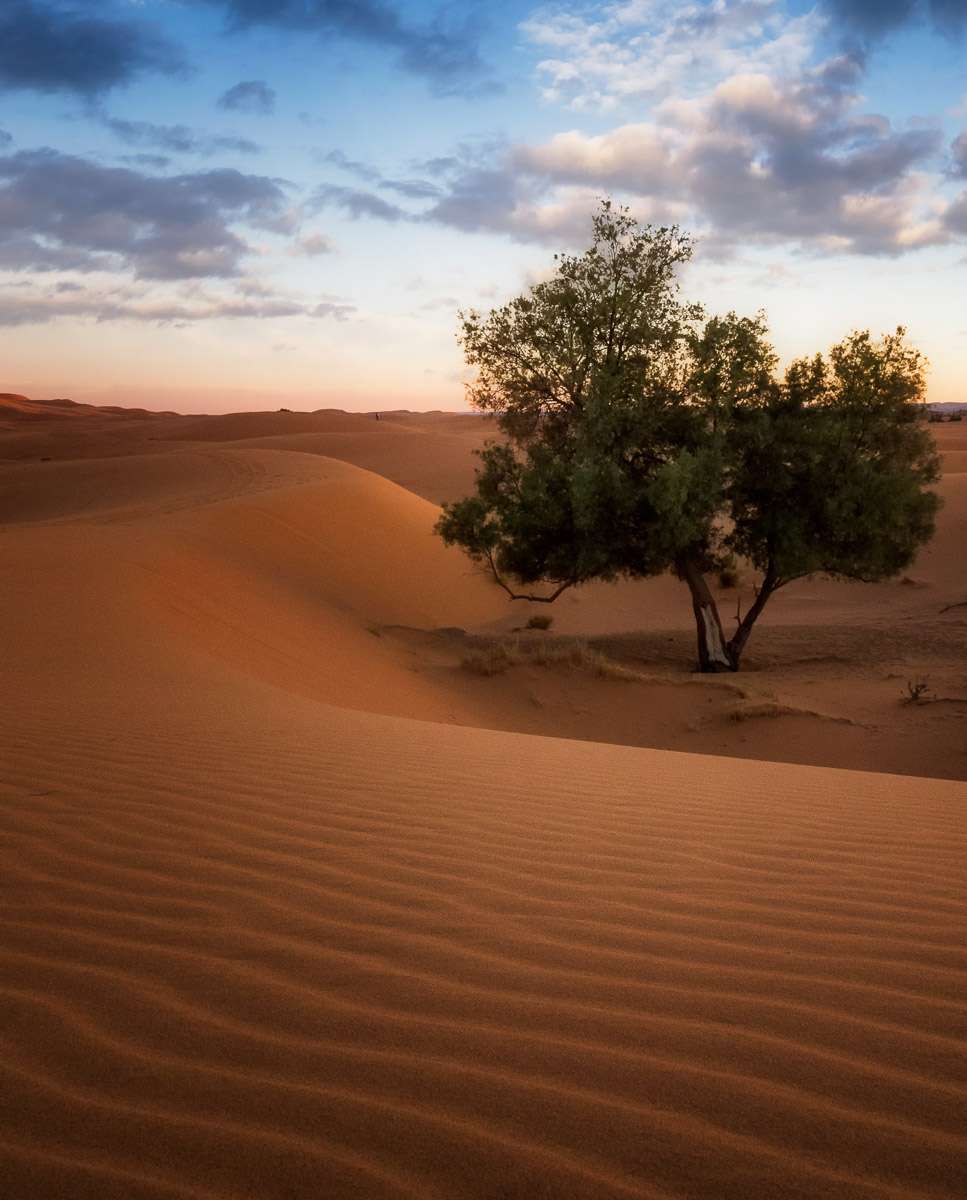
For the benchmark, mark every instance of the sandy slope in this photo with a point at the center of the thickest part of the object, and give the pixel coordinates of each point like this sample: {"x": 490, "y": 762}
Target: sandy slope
{"x": 323, "y": 579}
{"x": 257, "y": 940}
{"x": 255, "y": 947}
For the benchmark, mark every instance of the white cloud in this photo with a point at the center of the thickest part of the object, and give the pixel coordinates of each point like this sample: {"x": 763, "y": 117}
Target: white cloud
{"x": 636, "y": 156}
{"x": 649, "y": 49}
{"x": 756, "y": 159}
{"x": 736, "y": 132}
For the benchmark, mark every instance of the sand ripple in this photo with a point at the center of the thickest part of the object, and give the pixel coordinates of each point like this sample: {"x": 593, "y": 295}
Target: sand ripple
{"x": 393, "y": 959}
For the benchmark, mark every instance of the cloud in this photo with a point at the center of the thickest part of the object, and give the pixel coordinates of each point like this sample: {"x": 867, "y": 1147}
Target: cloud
{"x": 647, "y": 49}
{"x": 758, "y": 159}
{"x": 49, "y": 49}
{"x": 131, "y": 303}
{"x": 442, "y": 165}
{"x": 412, "y": 189}
{"x": 958, "y": 157}
{"x": 488, "y": 198}
{"x": 21, "y": 252}
{"x": 445, "y": 51}
{"x": 874, "y": 19}
{"x": 157, "y": 162}
{"x": 311, "y": 245}
{"x": 328, "y": 308}
{"x": 356, "y": 202}
{"x": 177, "y": 139}
{"x": 158, "y": 227}
{"x": 251, "y": 96}
{"x": 955, "y": 217}
{"x": 635, "y": 157}
{"x": 352, "y": 166}
{"x": 5, "y": 138}
{"x": 621, "y": 53}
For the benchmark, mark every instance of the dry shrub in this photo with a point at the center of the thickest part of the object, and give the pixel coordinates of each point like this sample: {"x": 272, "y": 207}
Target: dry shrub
{"x": 918, "y": 690}
{"x": 493, "y": 658}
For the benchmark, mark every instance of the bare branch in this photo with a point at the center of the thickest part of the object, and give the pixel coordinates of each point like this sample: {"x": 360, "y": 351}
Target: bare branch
{"x": 781, "y": 583}
{"x": 526, "y": 595}
{"x": 959, "y": 604}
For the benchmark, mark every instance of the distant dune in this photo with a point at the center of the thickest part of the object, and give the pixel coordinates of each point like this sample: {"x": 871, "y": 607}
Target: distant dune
{"x": 20, "y": 408}
{"x": 295, "y": 905}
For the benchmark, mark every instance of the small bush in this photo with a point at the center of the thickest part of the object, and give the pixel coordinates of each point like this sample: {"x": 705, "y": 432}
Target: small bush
{"x": 956, "y": 416}
{"x": 488, "y": 660}
{"x": 728, "y": 577}
{"x": 496, "y": 657}
{"x": 540, "y": 621}
{"x": 917, "y": 690}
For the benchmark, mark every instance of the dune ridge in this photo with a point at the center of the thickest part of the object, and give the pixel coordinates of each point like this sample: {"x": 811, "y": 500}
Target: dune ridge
{"x": 263, "y": 933}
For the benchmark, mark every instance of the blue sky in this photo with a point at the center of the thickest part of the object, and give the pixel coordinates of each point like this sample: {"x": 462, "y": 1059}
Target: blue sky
{"x": 215, "y": 204}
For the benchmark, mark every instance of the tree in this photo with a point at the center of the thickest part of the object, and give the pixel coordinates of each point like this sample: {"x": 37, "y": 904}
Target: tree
{"x": 641, "y": 437}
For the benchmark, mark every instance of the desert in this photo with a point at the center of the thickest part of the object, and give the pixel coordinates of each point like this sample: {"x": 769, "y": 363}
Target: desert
{"x": 297, "y": 904}
{"x": 483, "y": 600}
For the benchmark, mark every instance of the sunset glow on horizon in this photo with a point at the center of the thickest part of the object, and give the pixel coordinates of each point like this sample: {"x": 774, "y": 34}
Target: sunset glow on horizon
{"x": 212, "y": 205}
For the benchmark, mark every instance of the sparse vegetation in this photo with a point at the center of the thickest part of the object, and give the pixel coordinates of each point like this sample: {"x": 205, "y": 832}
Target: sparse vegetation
{"x": 540, "y": 621}
{"x": 956, "y": 416}
{"x": 917, "y": 691}
{"x": 492, "y": 659}
{"x": 642, "y": 437}
{"x": 497, "y": 656}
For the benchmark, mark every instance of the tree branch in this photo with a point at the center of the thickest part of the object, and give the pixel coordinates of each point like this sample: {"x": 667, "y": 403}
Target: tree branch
{"x": 781, "y": 583}
{"x": 526, "y": 595}
{"x": 959, "y": 604}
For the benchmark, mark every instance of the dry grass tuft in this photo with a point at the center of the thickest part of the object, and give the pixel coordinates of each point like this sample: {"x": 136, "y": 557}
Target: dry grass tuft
{"x": 493, "y": 658}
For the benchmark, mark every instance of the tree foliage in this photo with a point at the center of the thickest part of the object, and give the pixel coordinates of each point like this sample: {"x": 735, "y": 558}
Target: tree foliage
{"x": 641, "y": 436}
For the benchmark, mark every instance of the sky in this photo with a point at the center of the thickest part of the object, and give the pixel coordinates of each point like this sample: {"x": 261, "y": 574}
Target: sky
{"x": 214, "y": 205}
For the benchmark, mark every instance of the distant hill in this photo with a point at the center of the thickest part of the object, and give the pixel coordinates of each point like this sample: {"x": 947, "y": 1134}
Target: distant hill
{"x": 14, "y": 407}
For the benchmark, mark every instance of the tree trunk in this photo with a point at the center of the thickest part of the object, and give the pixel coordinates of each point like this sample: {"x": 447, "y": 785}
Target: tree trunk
{"x": 713, "y": 651}
{"x": 741, "y": 635}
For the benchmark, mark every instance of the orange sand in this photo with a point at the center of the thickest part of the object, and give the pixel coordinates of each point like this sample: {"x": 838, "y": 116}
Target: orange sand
{"x": 274, "y": 925}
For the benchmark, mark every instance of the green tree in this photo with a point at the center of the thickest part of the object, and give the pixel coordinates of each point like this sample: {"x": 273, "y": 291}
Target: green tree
{"x": 640, "y": 437}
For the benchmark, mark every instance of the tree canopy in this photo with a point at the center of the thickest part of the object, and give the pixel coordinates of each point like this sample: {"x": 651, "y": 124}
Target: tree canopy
{"x": 642, "y": 436}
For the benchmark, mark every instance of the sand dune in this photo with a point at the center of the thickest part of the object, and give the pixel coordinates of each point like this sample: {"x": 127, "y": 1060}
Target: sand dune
{"x": 17, "y": 408}
{"x": 297, "y": 952}
{"x": 326, "y": 581}
{"x": 264, "y": 934}
{"x": 435, "y": 465}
